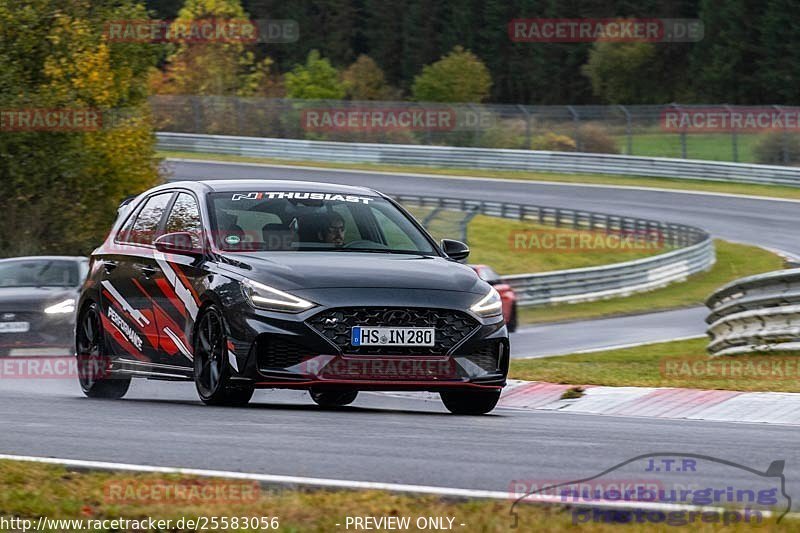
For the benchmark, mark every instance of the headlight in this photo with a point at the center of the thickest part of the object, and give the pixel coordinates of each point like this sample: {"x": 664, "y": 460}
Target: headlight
{"x": 265, "y": 297}
{"x": 61, "y": 308}
{"x": 488, "y": 306}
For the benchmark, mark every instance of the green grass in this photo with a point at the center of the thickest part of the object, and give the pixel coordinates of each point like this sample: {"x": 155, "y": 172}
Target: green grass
{"x": 492, "y": 242}
{"x": 669, "y": 364}
{"x": 774, "y": 191}
{"x": 32, "y": 490}
{"x": 709, "y": 146}
{"x": 733, "y": 261}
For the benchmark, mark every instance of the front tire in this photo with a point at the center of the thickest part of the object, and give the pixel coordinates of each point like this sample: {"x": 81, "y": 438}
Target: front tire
{"x": 212, "y": 374}
{"x": 92, "y": 361}
{"x": 333, "y": 399}
{"x": 470, "y": 402}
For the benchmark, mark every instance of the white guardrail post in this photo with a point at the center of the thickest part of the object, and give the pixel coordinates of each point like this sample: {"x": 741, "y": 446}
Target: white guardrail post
{"x": 480, "y": 158}
{"x": 758, "y": 313}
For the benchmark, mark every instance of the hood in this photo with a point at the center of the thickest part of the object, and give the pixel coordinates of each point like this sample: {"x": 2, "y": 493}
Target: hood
{"x": 316, "y": 270}
{"x": 33, "y": 298}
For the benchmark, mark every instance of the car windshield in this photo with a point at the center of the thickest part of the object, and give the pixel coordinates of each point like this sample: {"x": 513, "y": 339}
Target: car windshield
{"x": 312, "y": 221}
{"x": 39, "y": 273}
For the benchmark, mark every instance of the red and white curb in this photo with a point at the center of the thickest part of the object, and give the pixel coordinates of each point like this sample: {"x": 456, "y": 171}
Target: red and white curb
{"x": 657, "y": 402}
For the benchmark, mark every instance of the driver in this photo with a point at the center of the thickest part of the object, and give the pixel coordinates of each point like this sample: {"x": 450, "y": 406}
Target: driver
{"x": 333, "y": 230}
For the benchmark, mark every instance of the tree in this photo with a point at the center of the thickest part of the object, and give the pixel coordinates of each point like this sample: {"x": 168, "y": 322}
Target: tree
{"x": 213, "y": 68}
{"x": 61, "y": 188}
{"x": 457, "y": 77}
{"x": 625, "y": 73}
{"x": 317, "y": 79}
{"x": 364, "y": 80}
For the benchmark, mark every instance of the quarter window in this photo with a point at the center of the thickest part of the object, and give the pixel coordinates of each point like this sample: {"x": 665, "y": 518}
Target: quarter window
{"x": 144, "y": 227}
{"x": 185, "y": 216}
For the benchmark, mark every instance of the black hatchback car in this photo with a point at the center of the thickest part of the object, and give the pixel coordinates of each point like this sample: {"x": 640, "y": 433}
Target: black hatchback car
{"x": 249, "y": 284}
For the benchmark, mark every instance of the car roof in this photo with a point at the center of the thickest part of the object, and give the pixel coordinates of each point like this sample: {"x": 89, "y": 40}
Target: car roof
{"x": 47, "y": 258}
{"x": 272, "y": 185}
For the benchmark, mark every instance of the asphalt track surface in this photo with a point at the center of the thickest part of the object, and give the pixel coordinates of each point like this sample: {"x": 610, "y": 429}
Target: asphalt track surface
{"x": 380, "y": 438}
{"x": 411, "y": 440}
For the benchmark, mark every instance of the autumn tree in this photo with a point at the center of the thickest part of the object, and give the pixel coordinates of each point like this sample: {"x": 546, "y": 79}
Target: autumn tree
{"x": 364, "y": 80}
{"x": 61, "y": 187}
{"x": 460, "y": 76}
{"x": 316, "y": 79}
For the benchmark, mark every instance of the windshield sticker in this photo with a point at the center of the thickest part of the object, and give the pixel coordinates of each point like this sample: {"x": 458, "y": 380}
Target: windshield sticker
{"x": 302, "y": 196}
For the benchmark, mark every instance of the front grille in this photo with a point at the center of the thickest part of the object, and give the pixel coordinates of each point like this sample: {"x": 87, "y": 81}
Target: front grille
{"x": 451, "y": 327}
{"x": 486, "y": 355}
{"x": 277, "y": 352}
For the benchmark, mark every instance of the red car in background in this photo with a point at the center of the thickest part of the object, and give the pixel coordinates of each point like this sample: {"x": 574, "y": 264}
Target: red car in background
{"x": 487, "y": 274}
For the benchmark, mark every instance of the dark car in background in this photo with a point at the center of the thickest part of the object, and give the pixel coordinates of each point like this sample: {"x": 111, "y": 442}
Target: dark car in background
{"x": 249, "y": 284}
{"x": 37, "y": 304}
{"x": 507, "y": 294}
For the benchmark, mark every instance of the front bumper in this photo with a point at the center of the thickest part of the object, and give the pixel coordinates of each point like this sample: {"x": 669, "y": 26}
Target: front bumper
{"x": 47, "y": 335}
{"x": 276, "y": 350}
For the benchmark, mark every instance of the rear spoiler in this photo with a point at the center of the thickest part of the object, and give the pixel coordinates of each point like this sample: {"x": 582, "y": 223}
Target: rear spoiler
{"x": 125, "y": 203}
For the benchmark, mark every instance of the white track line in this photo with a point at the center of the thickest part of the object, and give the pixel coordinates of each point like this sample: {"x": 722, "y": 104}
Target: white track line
{"x": 360, "y": 485}
{"x": 489, "y": 179}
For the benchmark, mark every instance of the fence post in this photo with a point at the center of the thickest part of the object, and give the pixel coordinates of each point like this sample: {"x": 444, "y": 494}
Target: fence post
{"x": 784, "y": 140}
{"x": 734, "y": 136}
{"x": 628, "y": 130}
{"x": 527, "y": 126}
{"x": 576, "y": 122}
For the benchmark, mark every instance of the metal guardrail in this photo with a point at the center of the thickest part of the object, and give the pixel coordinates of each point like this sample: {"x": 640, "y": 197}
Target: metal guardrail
{"x": 758, "y": 313}
{"x": 480, "y": 158}
{"x": 693, "y": 252}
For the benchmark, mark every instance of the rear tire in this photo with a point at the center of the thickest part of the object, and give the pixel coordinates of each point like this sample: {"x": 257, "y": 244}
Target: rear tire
{"x": 212, "y": 373}
{"x": 333, "y": 399}
{"x": 92, "y": 361}
{"x": 470, "y": 402}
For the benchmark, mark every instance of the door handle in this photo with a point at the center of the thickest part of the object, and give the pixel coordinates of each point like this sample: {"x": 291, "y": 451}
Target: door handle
{"x": 148, "y": 271}
{"x": 109, "y": 266}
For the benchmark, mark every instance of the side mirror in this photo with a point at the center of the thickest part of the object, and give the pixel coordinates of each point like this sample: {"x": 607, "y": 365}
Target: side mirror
{"x": 455, "y": 249}
{"x": 180, "y": 242}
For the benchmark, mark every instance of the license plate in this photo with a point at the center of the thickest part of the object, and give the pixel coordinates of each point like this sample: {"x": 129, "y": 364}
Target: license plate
{"x": 370, "y": 336}
{"x": 14, "y": 327}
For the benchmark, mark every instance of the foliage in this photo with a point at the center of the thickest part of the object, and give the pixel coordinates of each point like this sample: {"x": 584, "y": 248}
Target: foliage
{"x": 777, "y": 148}
{"x": 364, "y": 80}
{"x": 553, "y": 142}
{"x": 595, "y": 138}
{"x": 317, "y": 79}
{"x": 61, "y": 188}
{"x": 213, "y": 68}
{"x": 460, "y": 76}
{"x": 624, "y": 73}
